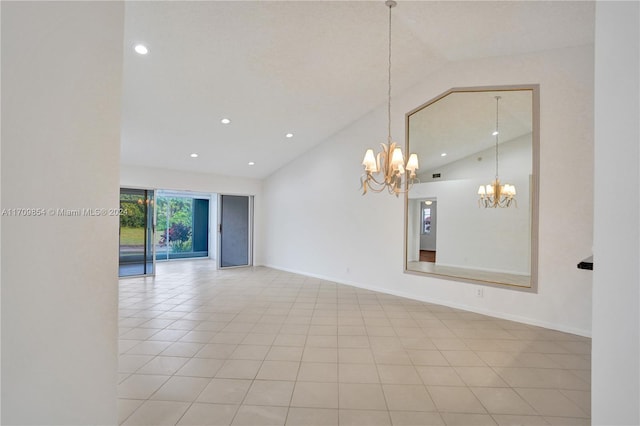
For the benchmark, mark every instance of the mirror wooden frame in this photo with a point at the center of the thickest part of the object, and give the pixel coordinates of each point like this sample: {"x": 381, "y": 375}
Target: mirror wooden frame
{"x": 534, "y": 191}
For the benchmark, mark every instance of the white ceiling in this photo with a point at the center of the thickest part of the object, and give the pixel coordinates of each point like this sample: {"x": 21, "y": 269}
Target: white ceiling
{"x": 308, "y": 67}
{"x": 462, "y": 123}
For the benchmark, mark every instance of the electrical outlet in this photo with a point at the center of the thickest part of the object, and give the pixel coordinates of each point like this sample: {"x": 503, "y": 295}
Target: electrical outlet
{"x": 480, "y": 292}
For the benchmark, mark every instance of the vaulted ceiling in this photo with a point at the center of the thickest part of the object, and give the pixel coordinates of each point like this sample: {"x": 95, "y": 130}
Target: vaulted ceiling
{"x": 304, "y": 67}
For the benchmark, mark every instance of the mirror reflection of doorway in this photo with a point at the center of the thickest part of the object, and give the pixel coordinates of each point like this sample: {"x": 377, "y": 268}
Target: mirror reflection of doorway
{"x": 428, "y": 230}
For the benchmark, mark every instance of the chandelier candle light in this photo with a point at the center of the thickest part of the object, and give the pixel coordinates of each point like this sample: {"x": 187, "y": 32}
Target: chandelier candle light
{"x": 497, "y": 195}
{"x": 389, "y": 163}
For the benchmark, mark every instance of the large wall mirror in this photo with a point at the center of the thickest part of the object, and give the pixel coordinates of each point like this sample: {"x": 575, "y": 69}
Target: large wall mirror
{"x": 453, "y": 229}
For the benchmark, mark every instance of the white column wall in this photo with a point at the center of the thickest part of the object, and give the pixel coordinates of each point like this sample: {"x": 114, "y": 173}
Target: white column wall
{"x": 317, "y": 223}
{"x": 61, "y": 96}
{"x": 616, "y": 279}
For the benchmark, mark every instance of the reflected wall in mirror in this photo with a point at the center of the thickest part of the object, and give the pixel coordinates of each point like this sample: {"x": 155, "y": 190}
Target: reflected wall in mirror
{"x": 448, "y": 233}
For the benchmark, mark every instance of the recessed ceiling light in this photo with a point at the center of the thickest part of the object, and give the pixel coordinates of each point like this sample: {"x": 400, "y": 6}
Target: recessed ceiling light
{"x": 141, "y": 49}
{"x": 194, "y": 155}
{"x": 251, "y": 163}
{"x": 444, "y": 154}
{"x": 495, "y": 133}
{"x": 289, "y": 135}
{"x": 225, "y": 121}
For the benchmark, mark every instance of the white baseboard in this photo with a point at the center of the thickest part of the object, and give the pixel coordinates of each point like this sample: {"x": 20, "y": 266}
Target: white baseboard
{"x": 488, "y": 312}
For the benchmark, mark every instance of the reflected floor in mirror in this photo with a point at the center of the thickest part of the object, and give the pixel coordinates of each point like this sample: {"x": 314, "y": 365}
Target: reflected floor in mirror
{"x": 257, "y": 346}
{"x": 470, "y": 274}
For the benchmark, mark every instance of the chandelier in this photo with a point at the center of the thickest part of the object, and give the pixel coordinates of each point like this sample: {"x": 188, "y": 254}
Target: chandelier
{"x": 495, "y": 194}
{"x": 387, "y": 169}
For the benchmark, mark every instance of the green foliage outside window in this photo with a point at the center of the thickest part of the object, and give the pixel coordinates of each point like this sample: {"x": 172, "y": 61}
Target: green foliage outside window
{"x": 132, "y": 211}
{"x": 179, "y": 212}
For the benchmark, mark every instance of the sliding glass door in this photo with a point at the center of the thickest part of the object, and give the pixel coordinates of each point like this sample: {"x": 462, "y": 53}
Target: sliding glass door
{"x": 136, "y": 232}
{"x": 182, "y": 226}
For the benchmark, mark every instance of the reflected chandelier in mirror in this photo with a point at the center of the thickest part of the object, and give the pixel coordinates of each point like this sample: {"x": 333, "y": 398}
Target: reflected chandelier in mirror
{"x": 454, "y": 135}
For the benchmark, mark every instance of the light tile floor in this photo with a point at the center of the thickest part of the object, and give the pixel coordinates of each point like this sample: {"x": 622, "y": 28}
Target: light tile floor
{"x": 256, "y": 346}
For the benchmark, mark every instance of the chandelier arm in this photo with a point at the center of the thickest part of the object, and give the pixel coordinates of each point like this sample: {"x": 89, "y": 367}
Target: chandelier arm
{"x": 369, "y": 181}
{"x": 375, "y": 189}
{"x": 365, "y": 183}
{"x": 373, "y": 179}
{"x": 507, "y": 201}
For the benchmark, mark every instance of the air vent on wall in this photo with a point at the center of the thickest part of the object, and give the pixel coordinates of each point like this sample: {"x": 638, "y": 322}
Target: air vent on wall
{"x": 435, "y": 175}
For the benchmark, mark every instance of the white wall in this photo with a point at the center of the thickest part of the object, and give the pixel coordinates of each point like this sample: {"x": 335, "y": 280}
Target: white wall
{"x": 156, "y": 178}
{"x": 61, "y": 96}
{"x": 317, "y": 223}
{"x": 616, "y": 321}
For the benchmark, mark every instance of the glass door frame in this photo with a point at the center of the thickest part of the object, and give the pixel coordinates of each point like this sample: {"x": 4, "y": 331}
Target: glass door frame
{"x": 147, "y": 229}
{"x": 169, "y": 193}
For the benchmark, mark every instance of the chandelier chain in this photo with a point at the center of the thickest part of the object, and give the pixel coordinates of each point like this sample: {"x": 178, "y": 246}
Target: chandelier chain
{"x": 497, "y": 134}
{"x": 389, "y": 165}
{"x": 497, "y": 194}
{"x": 389, "y": 81}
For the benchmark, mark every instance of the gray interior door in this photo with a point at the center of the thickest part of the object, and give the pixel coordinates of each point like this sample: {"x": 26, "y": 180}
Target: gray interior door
{"x": 235, "y": 231}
